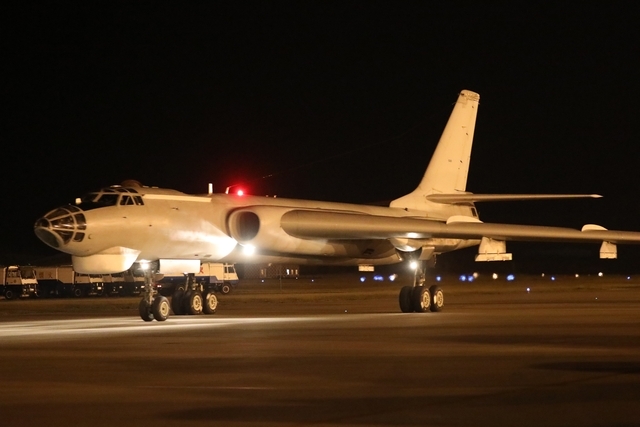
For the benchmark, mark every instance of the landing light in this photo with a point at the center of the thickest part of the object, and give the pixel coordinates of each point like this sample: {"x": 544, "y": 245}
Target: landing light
{"x": 413, "y": 265}
{"x": 248, "y": 249}
{"x": 144, "y": 265}
{"x": 600, "y": 274}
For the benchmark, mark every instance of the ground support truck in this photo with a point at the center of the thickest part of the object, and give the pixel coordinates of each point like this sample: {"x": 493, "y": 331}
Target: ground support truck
{"x": 17, "y": 282}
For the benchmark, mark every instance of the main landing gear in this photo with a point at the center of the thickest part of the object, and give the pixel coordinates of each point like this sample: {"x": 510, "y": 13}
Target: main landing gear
{"x": 420, "y": 298}
{"x": 192, "y": 298}
{"x": 189, "y": 298}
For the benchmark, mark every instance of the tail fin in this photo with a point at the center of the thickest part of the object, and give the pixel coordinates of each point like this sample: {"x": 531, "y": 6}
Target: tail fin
{"x": 449, "y": 165}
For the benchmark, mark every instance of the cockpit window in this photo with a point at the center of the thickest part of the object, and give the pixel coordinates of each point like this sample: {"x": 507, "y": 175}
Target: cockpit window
{"x": 126, "y": 200}
{"x": 110, "y": 197}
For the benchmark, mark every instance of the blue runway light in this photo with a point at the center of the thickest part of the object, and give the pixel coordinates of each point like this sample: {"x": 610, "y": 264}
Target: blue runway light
{"x": 510, "y": 277}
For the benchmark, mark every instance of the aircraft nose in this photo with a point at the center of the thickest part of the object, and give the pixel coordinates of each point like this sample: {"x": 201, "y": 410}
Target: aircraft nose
{"x": 61, "y": 226}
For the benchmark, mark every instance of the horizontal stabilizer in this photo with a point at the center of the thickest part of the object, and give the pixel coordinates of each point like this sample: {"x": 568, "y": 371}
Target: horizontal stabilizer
{"x": 470, "y": 197}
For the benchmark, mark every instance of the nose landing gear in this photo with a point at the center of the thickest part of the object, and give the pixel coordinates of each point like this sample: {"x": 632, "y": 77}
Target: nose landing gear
{"x": 153, "y": 305}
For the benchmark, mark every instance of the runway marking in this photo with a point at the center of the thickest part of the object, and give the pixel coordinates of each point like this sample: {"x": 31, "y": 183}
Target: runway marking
{"x": 205, "y": 387}
{"x": 87, "y": 328}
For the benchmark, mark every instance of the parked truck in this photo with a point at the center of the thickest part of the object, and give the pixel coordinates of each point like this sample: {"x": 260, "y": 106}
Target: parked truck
{"x": 63, "y": 281}
{"x": 213, "y": 276}
{"x": 18, "y": 282}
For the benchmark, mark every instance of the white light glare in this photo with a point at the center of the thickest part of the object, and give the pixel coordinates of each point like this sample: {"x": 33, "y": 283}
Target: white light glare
{"x": 438, "y": 278}
{"x": 144, "y": 265}
{"x": 393, "y": 277}
{"x": 413, "y": 265}
{"x": 362, "y": 279}
{"x": 510, "y": 277}
{"x": 249, "y": 249}
{"x": 494, "y": 276}
{"x": 600, "y": 274}
{"x": 463, "y": 278}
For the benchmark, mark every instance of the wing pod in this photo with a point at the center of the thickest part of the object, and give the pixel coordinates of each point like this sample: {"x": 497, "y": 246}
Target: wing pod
{"x": 608, "y": 250}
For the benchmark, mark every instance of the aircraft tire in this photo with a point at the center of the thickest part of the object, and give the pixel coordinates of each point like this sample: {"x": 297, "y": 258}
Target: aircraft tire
{"x": 437, "y": 298}
{"x": 193, "y": 300}
{"x": 160, "y": 308}
{"x": 405, "y": 299}
{"x": 210, "y": 303}
{"x": 145, "y": 311}
{"x": 177, "y": 302}
{"x": 421, "y": 299}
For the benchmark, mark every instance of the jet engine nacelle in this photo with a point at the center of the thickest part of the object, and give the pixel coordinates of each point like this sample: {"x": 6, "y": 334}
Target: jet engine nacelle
{"x": 259, "y": 226}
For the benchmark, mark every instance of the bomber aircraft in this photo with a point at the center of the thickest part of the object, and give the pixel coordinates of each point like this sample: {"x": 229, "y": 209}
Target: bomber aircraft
{"x": 109, "y": 230}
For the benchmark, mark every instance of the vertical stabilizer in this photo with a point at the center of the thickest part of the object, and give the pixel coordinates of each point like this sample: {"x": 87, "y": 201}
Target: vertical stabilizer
{"x": 449, "y": 165}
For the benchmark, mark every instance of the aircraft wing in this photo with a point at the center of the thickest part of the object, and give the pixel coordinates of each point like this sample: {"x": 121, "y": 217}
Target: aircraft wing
{"x": 335, "y": 225}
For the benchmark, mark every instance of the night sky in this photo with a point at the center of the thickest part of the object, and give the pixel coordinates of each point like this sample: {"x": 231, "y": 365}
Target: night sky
{"x": 340, "y": 101}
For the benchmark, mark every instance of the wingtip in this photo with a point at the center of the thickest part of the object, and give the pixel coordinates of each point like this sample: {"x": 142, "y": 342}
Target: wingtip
{"x": 596, "y": 196}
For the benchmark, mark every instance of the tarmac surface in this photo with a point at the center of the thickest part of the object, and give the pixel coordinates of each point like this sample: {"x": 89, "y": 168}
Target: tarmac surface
{"x": 332, "y": 352}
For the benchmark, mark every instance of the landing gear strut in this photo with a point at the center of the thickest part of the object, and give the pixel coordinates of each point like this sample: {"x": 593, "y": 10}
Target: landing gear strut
{"x": 420, "y": 298}
{"x": 191, "y": 298}
{"x": 152, "y": 305}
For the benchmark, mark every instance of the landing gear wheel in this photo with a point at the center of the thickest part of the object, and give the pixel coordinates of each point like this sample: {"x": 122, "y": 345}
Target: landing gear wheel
{"x": 421, "y": 299}
{"x": 405, "y": 299}
{"x": 160, "y": 308}
{"x": 210, "y": 303}
{"x": 194, "y": 302}
{"x": 145, "y": 310}
{"x": 225, "y": 288}
{"x": 437, "y": 298}
{"x": 177, "y": 302}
